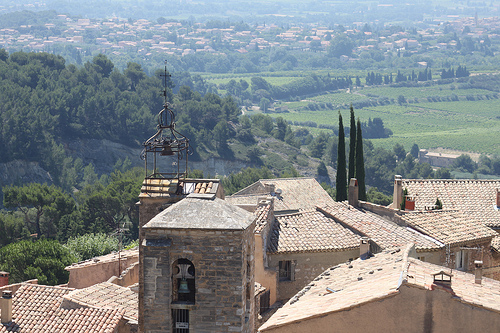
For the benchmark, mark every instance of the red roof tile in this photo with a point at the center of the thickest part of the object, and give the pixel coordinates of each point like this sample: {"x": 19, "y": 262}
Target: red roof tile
{"x": 475, "y": 198}
{"x": 37, "y": 309}
{"x": 310, "y": 231}
{"x": 448, "y": 227}
{"x": 296, "y": 194}
{"x": 384, "y": 233}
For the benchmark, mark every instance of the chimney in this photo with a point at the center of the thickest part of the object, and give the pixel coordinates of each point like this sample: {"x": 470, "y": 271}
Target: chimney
{"x": 353, "y": 192}
{"x": 269, "y": 188}
{"x": 409, "y": 203}
{"x": 6, "y": 306}
{"x": 364, "y": 248}
{"x": 398, "y": 192}
{"x": 4, "y": 279}
{"x": 479, "y": 271}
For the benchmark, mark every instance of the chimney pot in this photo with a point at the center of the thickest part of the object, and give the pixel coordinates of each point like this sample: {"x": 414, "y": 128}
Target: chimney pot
{"x": 479, "y": 271}
{"x": 4, "y": 279}
{"x": 353, "y": 192}
{"x": 6, "y": 306}
{"x": 398, "y": 192}
{"x": 269, "y": 188}
{"x": 409, "y": 203}
{"x": 364, "y": 248}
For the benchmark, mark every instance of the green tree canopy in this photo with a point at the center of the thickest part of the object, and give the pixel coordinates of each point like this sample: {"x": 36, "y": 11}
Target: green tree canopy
{"x": 91, "y": 245}
{"x": 42, "y": 205}
{"x": 340, "y": 45}
{"x": 43, "y": 259}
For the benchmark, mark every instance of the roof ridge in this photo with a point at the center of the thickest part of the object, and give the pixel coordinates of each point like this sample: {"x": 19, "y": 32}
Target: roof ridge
{"x": 405, "y": 265}
{"x": 452, "y": 180}
{"x": 44, "y": 286}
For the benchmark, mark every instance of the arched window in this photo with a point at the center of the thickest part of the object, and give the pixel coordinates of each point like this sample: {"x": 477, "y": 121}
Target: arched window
{"x": 183, "y": 282}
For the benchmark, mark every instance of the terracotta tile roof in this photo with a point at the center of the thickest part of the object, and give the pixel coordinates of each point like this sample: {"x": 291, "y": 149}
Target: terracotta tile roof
{"x": 352, "y": 284}
{"x": 163, "y": 187}
{"x": 296, "y": 193}
{"x": 113, "y": 256}
{"x": 448, "y": 227}
{"x": 310, "y": 231}
{"x": 158, "y": 187}
{"x": 262, "y": 212}
{"x": 37, "y": 309}
{"x": 108, "y": 296}
{"x": 384, "y": 233}
{"x": 475, "y": 198}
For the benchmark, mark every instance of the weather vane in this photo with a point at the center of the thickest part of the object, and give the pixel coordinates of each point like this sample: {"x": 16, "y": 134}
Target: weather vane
{"x": 167, "y": 141}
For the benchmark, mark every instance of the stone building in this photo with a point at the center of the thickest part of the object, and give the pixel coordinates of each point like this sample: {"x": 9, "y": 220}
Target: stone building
{"x": 392, "y": 292}
{"x": 436, "y": 159}
{"x": 476, "y": 201}
{"x": 197, "y": 268}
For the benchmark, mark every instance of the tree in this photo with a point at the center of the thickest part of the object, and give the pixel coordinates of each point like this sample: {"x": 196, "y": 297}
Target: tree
{"x": 322, "y": 171}
{"x": 91, "y": 245}
{"x": 414, "y": 150}
{"x": 360, "y": 163}
{"x": 352, "y": 146}
{"x": 221, "y": 135}
{"x": 103, "y": 64}
{"x": 340, "y": 45}
{"x": 400, "y": 151}
{"x": 264, "y": 104}
{"x": 443, "y": 173}
{"x": 401, "y": 100}
{"x": 465, "y": 163}
{"x": 438, "y": 204}
{"x": 341, "y": 181}
{"x": 376, "y": 197}
{"x": 44, "y": 260}
{"x": 42, "y": 206}
{"x": 135, "y": 73}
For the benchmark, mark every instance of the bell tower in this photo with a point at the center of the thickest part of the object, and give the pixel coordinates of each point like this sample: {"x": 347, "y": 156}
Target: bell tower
{"x": 197, "y": 259}
{"x": 196, "y": 251}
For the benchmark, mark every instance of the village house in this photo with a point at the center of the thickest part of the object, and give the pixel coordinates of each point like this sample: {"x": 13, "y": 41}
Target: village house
{"x": 392, "y": 292}
{"x": 477, "y": 201}
{"x": 436, "y": 159}
{"x": 29, "y": 307}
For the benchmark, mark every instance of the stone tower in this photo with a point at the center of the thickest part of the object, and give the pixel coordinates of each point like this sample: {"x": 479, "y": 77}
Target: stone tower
{"x": 197, "y": 268}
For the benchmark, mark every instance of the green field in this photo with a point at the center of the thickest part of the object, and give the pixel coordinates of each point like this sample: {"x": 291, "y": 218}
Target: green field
{"x": 472, "y": 126}
{"x": 421, "y": 92}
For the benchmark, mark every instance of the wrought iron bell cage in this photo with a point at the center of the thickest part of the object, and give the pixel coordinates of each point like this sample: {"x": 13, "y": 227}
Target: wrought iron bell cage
{"x": 167, "y": 141}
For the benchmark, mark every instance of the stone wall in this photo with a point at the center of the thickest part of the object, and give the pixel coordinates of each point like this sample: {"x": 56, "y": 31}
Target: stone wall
{"x": 307, "y": 267}
{"x": 224, "y": 279}
{"x": 128, "y": 277}
{"x": 92, "y": 273}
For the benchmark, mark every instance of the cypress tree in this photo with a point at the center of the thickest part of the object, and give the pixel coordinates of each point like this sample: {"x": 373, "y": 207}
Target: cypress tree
{"x": 360, "y": 164}
{"x": 352, "y": 146}
{"x": 341, "y": 181}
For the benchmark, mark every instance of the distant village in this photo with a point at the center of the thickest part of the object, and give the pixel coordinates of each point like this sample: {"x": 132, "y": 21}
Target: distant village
{"x": 119, "y": 36}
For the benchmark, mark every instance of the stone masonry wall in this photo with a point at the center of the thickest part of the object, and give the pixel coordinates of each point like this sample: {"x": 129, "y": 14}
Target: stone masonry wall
{"x": 307, "y": 267}
{"x": 222, "y": 278}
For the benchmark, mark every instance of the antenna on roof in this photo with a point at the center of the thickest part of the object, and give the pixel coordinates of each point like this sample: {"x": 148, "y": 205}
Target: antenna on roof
{"x": 167, "y": 141}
